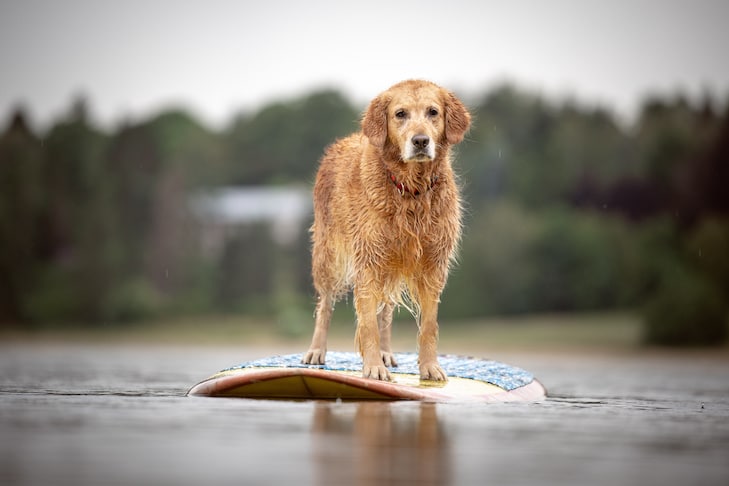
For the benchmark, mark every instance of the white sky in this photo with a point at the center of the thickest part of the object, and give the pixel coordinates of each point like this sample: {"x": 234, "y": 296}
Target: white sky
{"x": 217, "y": 57}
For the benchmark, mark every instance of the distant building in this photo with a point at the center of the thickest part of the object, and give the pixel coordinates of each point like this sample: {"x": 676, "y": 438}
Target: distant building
{"x": 220, "y": 212}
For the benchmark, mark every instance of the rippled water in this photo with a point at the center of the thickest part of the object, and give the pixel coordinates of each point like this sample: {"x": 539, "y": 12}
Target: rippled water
{"x": 119, "y": 415}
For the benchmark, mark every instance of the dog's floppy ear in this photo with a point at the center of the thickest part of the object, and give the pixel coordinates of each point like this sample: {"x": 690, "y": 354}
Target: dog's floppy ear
{"x": 457, "y": 119}
{"x": 374, "y": 122}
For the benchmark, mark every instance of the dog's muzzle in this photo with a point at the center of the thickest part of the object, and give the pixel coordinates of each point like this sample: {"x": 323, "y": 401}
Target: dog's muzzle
{"x": 420, "y": 148}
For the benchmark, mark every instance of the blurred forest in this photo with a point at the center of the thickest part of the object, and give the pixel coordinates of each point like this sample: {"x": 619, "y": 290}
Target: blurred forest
{"x": 567, "y": 210}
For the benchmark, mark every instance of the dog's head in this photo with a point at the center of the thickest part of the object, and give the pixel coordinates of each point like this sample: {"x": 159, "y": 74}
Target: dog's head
{"x": 418, "y": 118}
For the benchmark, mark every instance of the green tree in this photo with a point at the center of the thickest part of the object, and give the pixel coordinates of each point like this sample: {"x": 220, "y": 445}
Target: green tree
{"x": 135, "y": 165}
{"x": 687, "y": 309}
{"x": 670, "y": 136}
{"x": 246, "y": 271}
{"x": 494, "y": 271}
{"x": 155, "y": 166}
{"x": 189, "y": 160}
{"x": 22, "y": 201}
{"x": 579, "y": 262}
{"x": 707, "y": 248}
{"x": 538, "y": 152}
{"x": 78, "y": 211}
{"x": 283, "y": 141}
{"x": 505, "y": 146}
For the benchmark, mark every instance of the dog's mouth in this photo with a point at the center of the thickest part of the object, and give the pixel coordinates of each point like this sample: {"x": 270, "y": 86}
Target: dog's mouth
{"x": 419, "y": 149}
{"x": 419, "y": 156}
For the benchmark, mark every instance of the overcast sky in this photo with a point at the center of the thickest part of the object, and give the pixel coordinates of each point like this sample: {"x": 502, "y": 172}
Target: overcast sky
{"x": 218, "y": 57}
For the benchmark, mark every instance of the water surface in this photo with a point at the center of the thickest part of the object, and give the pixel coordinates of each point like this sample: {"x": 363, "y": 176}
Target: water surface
{"x": 101, "y": 414}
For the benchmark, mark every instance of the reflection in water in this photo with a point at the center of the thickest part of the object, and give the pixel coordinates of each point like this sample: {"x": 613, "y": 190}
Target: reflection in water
{"x": 376, "y": 443}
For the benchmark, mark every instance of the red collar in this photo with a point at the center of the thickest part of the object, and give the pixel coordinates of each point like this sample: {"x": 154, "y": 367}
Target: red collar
{"x": 402, "y": 188}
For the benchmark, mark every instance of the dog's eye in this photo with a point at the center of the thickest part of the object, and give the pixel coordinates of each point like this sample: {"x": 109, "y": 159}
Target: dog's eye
{"x": 432, "y": 112}
{"x": 401, "y": 114}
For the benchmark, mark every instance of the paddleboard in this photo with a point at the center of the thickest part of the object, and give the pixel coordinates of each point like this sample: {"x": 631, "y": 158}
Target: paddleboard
{"x": 469, "y": 379}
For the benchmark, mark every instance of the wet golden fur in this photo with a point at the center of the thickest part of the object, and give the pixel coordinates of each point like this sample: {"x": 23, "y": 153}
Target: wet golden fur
{"x": 392, "y": 241}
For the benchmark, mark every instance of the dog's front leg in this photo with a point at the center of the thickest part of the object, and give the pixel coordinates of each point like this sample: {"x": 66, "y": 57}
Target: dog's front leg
{"x": 368, "y": 337}
{"x": 384, "y": 322}
{"x": 428, "y": 341}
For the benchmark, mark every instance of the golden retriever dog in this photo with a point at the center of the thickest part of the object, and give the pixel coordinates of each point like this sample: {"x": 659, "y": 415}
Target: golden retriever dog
{"x": 387, "y": 222}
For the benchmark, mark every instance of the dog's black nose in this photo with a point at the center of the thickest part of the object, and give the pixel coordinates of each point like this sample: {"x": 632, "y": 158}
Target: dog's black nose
{"x": 421, "y": 141}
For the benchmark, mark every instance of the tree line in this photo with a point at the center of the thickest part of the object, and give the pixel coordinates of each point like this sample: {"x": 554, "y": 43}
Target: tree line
{"x": 567, "y": 210}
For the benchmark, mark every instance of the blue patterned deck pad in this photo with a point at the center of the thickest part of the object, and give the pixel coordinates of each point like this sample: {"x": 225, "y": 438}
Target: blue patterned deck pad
{"x": 499, "y": 374}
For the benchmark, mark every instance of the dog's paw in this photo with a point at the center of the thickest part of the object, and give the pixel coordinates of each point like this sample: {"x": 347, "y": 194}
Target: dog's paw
{"x": 315, "y": 356}
{"x": 432, "y": 371}
{"x": 376, "y": 372}
{"x": 388, "y": 359}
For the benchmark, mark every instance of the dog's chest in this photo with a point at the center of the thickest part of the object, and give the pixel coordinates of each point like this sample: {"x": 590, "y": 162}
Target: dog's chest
{"x": 410, "y": 237}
